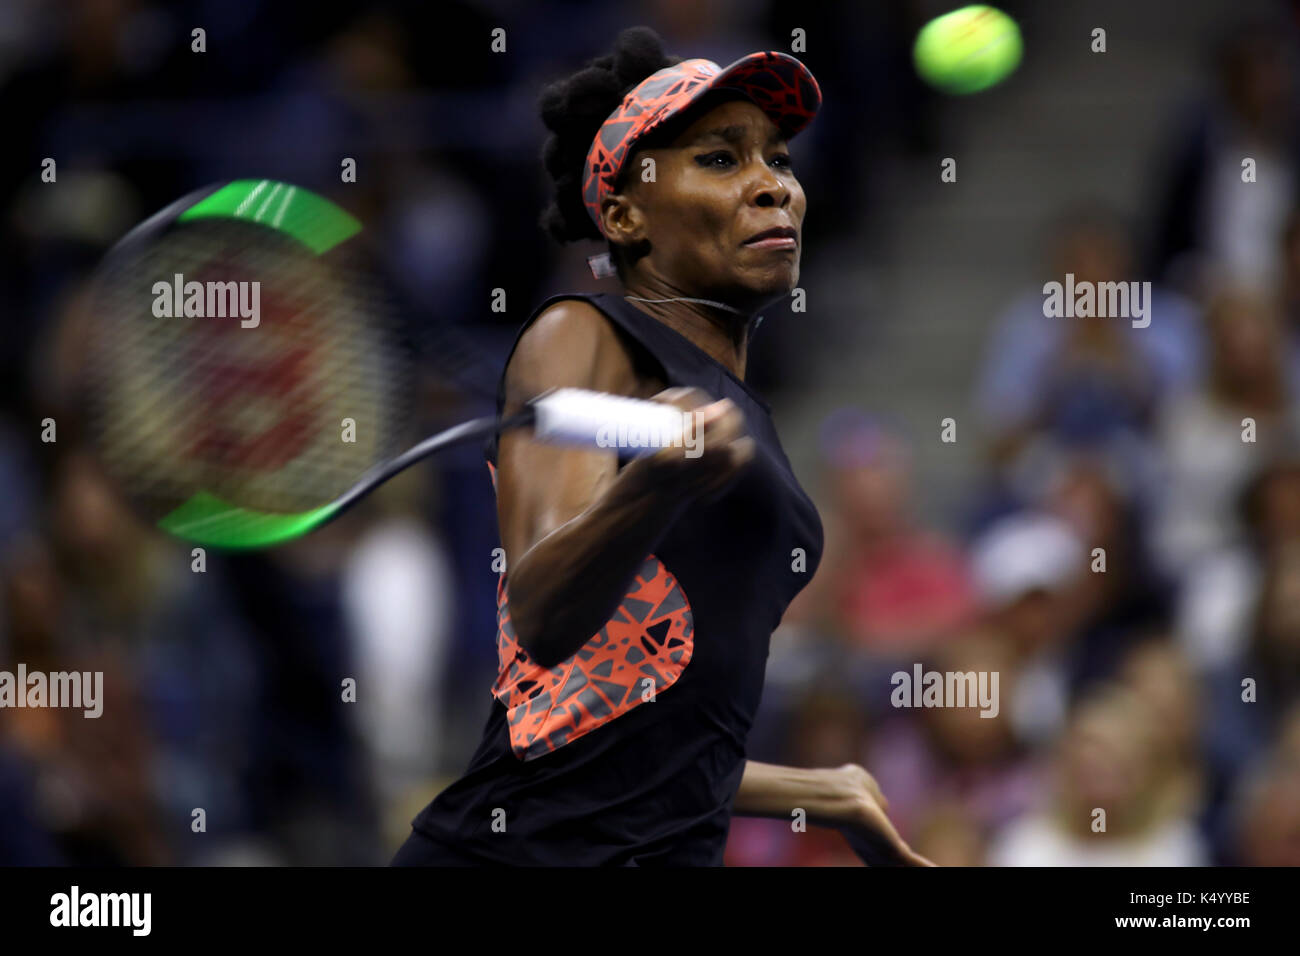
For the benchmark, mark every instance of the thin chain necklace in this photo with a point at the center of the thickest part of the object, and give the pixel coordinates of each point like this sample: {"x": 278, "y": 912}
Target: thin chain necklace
{"x": 754, "y": 321}
{"x": 718, "y": 305}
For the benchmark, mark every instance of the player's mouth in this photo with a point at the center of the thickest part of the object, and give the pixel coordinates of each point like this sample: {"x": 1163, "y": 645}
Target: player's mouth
{"x": 779, "y": 237}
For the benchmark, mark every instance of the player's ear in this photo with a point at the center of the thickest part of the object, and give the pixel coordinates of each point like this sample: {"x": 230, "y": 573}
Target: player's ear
{"x": 623, "y": 220}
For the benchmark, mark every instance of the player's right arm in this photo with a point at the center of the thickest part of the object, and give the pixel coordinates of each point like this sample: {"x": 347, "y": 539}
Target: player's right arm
{"x": 575, "y": 528}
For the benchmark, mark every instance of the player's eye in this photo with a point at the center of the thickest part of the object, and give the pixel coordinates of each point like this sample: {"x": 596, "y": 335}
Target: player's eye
{"x": 718, "y": 159}
{"x": 783, "y": 161}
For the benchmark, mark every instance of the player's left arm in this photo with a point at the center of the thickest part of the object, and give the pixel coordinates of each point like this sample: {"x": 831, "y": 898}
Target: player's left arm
{"x": 846, "y": 798}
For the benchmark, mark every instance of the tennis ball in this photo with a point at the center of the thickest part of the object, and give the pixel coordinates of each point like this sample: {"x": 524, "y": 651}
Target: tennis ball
{"x": 967, "y": 50}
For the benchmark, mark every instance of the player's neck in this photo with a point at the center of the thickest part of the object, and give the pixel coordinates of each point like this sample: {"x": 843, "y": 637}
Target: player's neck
{"x": 719, "y": 329}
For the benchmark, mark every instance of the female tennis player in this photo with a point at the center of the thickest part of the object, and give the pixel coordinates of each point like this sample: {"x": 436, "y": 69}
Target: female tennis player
{"x": 640, "y": 593}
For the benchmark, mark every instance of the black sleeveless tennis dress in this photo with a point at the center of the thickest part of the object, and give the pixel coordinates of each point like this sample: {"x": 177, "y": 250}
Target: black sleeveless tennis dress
{"x": 630, "y": 752}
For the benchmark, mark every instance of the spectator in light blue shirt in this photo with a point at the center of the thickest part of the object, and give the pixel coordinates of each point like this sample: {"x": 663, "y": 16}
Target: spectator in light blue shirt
{"x": 1081, "y": 377}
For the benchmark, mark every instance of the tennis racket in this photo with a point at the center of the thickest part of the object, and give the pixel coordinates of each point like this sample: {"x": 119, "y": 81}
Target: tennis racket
{"x": 253, "y": 374}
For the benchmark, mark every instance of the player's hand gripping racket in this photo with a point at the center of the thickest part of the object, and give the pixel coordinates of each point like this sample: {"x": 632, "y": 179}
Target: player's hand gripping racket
{"x": 250, "y": 379}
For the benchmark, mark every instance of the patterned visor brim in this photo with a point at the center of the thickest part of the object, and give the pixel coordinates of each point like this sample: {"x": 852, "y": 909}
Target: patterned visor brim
{"x": 780, "y": 85}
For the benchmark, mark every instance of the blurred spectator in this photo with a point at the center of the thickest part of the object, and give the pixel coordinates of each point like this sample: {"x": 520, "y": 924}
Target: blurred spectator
{"x": 1159, "y": 673}
{"x": 1206, "y": 458}
{"x": 951, "y": 768}
{"x": 827, "y": 728}
{"x": 1244, "y": 719}
{"x": 1108, "y": 760}
{"x": 1212, "y": 228}
{"x": 1027, "y": 568}
{"x": 1289, "y": 294}
{"x": 889, "y": 584}
{"x": 950, "y": 835}
{"x": 78, "y": 603}
{"x": 399, "y": 604}
{"x": 1083, "y": 379}
{"x": 18, "y": 495}
{"x": 1219, "y": 593}
{"x": 1122, "y": 596}
{"x": 1267, "y": 807}
{"x": 24, "y": 840}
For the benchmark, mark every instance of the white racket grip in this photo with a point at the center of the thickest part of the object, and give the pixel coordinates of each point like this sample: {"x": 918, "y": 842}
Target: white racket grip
{"x": 576, "y": 416}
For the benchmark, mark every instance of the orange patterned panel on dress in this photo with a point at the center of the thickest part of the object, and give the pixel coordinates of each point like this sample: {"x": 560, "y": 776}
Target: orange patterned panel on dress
{"x": 645, "y": 645}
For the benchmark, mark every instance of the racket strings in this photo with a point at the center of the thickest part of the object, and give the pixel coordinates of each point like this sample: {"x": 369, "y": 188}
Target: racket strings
{"x": 275, "y": 398}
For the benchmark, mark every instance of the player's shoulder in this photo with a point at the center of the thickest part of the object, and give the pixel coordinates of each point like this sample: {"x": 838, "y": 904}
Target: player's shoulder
{"x": 570, "y": 323}
{"x": 571, "y": 342}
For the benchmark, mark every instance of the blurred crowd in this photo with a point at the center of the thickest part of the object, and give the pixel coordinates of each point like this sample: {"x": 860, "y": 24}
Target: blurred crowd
{"x": 224, "y": 736}
{"x": 1129, "y": 563}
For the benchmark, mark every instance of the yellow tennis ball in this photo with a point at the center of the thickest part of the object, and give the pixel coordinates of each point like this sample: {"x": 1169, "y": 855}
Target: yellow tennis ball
{"x": 967, "y": 50}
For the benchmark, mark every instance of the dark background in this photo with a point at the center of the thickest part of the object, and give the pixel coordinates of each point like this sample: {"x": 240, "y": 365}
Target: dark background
{"x": 1119, "y": 690}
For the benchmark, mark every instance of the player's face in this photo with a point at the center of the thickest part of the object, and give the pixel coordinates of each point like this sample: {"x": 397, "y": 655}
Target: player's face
{"x": 726, "y": 177}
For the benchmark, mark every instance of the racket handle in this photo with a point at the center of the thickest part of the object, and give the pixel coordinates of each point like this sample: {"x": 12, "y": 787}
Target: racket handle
{"x": 576, "y": 416}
